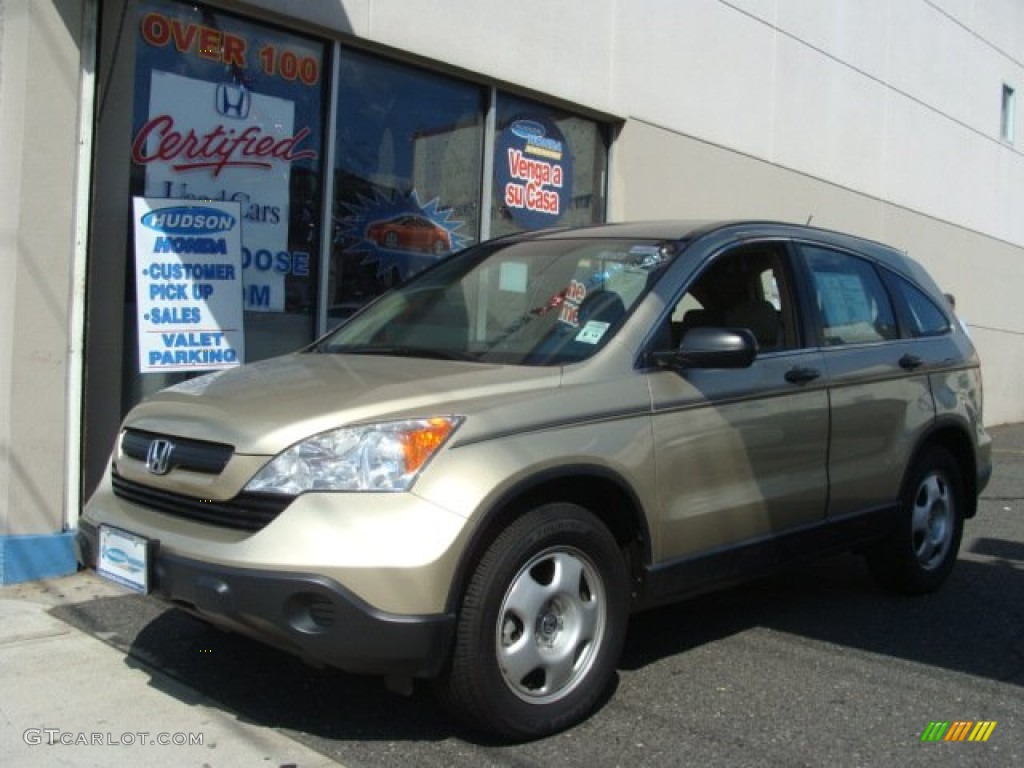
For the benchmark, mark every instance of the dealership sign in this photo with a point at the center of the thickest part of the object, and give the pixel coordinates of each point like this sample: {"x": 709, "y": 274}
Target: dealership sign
{"x": 205, "y": 140}
{"x": 534, "y": 172}
{"x": 188, "y": 282}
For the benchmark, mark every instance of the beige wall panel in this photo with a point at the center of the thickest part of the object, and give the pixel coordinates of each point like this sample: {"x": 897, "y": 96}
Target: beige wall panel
{"x": 827, "y": 118}
{"x": 698, "y": 67}
{"x": 42, "y": 251}
{"x": 927, "y": 169}
{"x": 1001, "y": 22}
{"x": 855, "y": 33}
{"x": 660, "y": 174}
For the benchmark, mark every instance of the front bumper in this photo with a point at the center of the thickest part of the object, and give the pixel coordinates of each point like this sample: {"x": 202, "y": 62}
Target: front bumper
{"x": 306, "y": 614}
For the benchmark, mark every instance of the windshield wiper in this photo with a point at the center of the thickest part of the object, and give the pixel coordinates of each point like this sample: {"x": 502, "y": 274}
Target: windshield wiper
{"x": 397, "y": 350}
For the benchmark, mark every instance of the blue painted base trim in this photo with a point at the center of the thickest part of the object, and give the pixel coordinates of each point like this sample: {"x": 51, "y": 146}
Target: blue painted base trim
{"x": 39, "y": 556}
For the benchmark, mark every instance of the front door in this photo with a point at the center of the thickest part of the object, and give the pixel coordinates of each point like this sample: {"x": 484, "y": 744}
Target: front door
{"x": 741, "y": 454}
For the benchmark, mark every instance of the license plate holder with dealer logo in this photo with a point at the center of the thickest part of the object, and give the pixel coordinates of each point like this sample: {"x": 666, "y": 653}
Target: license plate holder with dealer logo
{"x": 125, "y": 558}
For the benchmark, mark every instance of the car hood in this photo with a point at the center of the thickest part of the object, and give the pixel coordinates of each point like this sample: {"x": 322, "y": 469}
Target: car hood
{"x": 264, "y": 407}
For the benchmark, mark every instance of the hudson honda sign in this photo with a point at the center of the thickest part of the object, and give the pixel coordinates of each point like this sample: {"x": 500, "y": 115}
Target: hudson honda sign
{"x": 188, "y": 284}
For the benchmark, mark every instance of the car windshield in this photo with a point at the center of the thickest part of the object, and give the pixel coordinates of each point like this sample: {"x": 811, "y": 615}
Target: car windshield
{"x": 533, "y": 302}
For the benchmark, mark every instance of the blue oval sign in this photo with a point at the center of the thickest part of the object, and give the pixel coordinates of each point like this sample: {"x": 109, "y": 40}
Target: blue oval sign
{"x": 189, "y": 220}
{"x": 527, "y": 129}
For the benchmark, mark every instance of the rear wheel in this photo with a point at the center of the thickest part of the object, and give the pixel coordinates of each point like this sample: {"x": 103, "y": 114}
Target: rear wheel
{"x": 922, "y": 549}
{"x": 541, "y": 626}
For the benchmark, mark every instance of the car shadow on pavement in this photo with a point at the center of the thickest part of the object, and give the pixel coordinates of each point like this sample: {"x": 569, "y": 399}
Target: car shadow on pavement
{"x": 257, "y": 683}
{"x": 971, "y": 625}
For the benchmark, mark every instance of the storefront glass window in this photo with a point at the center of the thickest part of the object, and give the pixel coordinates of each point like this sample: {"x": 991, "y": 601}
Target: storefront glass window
{"x": 406, "y": 175}
{"x": 226, "y": 109}
{"x": 549, "y": 168}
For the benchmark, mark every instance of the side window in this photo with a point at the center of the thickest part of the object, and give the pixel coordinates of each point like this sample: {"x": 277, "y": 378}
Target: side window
{"x": 921, "y": 315}
{"x": 748, "y": 287}
{"x": 853, "y": 306}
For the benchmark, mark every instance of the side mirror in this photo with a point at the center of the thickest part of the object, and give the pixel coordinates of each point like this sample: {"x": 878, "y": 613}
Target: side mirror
{"x": 711, "y": 348}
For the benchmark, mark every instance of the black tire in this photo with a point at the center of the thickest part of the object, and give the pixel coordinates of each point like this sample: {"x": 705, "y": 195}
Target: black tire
{"x": 922, "y": 549}
{"x": 541, "y": 626}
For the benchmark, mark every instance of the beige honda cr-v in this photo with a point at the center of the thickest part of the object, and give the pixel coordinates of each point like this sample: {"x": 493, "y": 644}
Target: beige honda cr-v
{"x": 478, "y": 477}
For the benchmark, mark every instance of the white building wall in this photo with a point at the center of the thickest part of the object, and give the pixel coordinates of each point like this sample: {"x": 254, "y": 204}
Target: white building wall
{"x": 39, "y": 77}
{"x": 896, "y": 99}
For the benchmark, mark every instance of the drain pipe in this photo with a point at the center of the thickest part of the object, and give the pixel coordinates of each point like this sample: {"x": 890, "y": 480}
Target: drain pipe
{"x": 79, "y": 268}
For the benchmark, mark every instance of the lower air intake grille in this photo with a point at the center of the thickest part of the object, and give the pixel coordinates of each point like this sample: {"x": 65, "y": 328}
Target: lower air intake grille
{"x": 245, "y": 512}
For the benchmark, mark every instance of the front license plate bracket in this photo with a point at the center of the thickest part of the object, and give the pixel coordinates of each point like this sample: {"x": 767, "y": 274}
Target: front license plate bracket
{"x": 125, "y": 558}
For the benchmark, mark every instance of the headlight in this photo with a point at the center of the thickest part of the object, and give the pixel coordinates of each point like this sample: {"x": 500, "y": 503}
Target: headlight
{"x": 374, "y": 457}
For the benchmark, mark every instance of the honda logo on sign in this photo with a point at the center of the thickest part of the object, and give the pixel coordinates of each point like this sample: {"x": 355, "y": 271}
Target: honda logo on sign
{"x": 233, "y": 101}
{"x": 158, "y": 456}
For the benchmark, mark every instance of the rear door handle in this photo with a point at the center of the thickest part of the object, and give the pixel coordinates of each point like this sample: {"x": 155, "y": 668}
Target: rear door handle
{"x": 910, "y": 362}
{"x": 802, "y": 375}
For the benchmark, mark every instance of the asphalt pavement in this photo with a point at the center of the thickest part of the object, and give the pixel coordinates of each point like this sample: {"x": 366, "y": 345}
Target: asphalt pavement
{"x": 811, "y": 667}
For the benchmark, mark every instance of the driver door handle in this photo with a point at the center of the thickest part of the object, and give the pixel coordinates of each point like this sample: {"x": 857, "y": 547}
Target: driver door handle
{"x": 910, "y": 362}
{"x": 802, "y": 375}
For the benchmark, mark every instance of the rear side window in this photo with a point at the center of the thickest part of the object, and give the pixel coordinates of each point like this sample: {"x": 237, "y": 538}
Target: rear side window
{"x": 853, "y": 305}
{"x": 922, "y": 316}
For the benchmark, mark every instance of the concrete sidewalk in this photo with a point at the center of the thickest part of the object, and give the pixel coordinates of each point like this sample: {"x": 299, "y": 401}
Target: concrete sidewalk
{"x": 69, "y": 699}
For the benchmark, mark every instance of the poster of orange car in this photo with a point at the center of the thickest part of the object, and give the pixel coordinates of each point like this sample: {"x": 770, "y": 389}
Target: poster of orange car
{"x": 409, "y": 232}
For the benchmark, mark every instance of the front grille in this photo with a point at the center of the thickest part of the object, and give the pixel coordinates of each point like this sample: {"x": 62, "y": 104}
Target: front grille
{"x": 245, "y": 512}
{"x": 194, "y": 455}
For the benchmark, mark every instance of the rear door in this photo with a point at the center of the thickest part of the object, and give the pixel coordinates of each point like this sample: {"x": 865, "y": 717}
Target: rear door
{"x": 880, "y": 395}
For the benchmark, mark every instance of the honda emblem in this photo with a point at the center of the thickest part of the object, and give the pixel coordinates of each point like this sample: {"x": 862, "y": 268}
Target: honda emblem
{"x": 158, "y": 456}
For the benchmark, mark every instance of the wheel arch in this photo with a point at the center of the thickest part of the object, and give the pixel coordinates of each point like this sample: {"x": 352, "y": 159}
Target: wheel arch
{"x": 601, "y": 491}
{"x": 953, "y": 437}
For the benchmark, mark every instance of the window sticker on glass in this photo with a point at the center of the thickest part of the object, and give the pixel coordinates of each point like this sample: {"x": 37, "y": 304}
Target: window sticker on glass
{"x": 845, "y": 298}
{"x": 513, "y": 277}
{"x": 593, "y": 332}
{"x": 574, "y": 296}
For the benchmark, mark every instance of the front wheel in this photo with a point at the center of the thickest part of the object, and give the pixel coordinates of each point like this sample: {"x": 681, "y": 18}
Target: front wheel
{"x": 922, "y": 548}
{"x": 541, "y": 626}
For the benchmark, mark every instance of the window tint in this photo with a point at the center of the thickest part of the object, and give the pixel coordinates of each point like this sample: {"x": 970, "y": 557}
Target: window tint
{"x": 923, "y": 317}
{"x": 744, "y": 288}
{"x": 853, "y": 306}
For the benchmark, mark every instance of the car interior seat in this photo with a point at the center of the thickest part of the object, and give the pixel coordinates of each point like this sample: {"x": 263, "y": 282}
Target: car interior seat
{"x": 761, "y": 318}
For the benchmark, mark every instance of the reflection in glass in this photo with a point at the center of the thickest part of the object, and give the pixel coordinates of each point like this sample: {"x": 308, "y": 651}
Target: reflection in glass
{"x": 406, "y": 177}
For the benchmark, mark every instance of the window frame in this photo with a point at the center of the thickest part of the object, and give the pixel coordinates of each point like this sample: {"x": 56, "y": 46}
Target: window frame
{"x": 792, "y": 318}
{"x": 1008, "y": 114}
